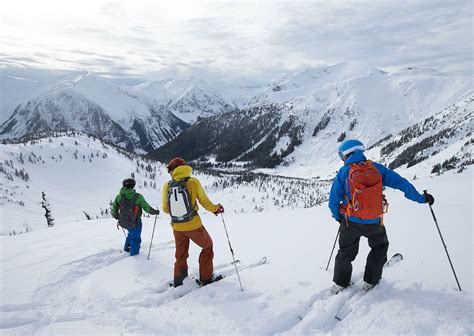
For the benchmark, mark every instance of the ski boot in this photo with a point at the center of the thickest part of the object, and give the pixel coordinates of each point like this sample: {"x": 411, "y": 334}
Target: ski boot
{"x": 213, "y": 278}
{"x": 366, "y": 287}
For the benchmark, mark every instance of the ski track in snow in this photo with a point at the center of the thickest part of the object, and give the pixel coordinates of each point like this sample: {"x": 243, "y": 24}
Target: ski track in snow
{"x": 56, "y": 298}
{"x": 59, "y": 300}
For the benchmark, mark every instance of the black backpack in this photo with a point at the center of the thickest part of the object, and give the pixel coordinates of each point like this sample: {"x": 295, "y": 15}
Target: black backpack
{"x": 128, "y": 212}
{"x": 179, "y": 201}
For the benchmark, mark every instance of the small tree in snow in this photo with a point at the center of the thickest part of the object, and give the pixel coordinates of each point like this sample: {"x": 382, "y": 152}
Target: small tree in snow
{"x": 341, "y": 137}
{"x": 87, "y": 215}
{"x": 47, "y": 208}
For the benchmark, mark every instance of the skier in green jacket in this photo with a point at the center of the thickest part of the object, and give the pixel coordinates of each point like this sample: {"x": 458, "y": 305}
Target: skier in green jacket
{"x": 127, "y": 209}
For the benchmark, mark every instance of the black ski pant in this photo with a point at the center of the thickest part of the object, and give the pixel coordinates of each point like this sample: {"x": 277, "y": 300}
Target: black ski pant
{"x": 349, "y": 238}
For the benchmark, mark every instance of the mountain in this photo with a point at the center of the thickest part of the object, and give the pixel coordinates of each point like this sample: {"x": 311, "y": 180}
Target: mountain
{"x": 299, "y": 120}
{"x": 446, "y": 136}
{"x": 140, "y": 118}
{"x": 14, "y": 91}
{"x": 296, "y": 123}
{"x": 188, "y": 100}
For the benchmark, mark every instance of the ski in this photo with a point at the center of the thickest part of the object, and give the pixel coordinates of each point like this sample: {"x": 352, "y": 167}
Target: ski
{"x": 224, "y": 272}
{"x": 232, "y": 271}
{"x": 201, "y": 284}
{"x": 217, "y": 267}
{"x": 342, "y": 313}
{"x": 395, "y": 259}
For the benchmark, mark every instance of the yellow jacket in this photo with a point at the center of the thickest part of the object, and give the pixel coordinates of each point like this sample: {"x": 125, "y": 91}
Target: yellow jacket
{"x": 197, "y": 193}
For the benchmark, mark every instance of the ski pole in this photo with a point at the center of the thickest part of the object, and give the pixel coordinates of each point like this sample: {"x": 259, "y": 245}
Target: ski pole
{"x": 232, "y": 251}
{"x": 335, "y": 240}
{"x": 442, "y": 241}
{"x": 122, "y": 230}
{"x": 151, "y": 241}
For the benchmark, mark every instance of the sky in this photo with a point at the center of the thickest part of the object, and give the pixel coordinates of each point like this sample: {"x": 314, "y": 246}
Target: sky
{"x": 244, "y": 42}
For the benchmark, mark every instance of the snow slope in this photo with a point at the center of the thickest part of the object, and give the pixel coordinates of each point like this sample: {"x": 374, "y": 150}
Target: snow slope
{"x": 80, "y": 174}
{"x": 73, "y": 278}
{"x": 365, "y": 103}
{"x": 73, "y": 185}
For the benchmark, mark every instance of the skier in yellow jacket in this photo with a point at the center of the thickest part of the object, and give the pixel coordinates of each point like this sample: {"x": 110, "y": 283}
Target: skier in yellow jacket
{"x": 180, "y": 196}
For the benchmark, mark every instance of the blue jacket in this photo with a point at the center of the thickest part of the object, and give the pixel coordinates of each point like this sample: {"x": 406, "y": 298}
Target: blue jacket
{"x": 390, "y": 179}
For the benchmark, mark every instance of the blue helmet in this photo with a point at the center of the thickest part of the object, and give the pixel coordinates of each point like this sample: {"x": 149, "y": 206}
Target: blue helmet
{"x": 350, "y": 146}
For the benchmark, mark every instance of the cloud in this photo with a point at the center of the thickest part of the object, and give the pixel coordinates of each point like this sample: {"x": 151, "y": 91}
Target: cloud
{"x": 383, "y": 35}
{"x": 238, "y": 41}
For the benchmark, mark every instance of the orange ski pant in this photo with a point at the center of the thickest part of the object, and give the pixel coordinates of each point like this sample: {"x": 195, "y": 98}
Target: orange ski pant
{"x": 201, "y": 238}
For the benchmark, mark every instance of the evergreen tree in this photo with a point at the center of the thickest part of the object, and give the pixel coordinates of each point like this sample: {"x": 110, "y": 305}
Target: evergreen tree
{"x": 47, "y": 208}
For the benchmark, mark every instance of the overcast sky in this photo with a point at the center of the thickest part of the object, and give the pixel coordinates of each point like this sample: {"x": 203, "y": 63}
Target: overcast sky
{"x": 246, "y": 42}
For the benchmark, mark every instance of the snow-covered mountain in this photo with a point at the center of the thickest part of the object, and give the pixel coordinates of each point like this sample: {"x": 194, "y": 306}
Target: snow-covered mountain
{"x": 299, "y": 120}
{"x": 294, "y": 123}
{"x": 14, "y": 91}
{"x": 444, "y": 139}
{"x": 140, "y": 118}
{"x": 188, "y": 100}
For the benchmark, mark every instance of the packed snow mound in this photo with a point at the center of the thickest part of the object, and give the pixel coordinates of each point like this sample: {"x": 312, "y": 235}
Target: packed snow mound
{"x": 74, "y": 277}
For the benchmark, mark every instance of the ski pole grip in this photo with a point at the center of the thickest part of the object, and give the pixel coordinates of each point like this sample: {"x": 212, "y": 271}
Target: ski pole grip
{"x": 425, "y": 192}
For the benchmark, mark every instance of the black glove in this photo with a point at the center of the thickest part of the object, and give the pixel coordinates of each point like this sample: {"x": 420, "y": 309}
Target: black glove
{"x": 154, "y": 211}
{"x": 428, "y": 198}
{"x": 219, "y": 210}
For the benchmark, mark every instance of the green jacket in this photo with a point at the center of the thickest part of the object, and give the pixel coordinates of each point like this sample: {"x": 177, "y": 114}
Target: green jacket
{"x": 128, "y": 194}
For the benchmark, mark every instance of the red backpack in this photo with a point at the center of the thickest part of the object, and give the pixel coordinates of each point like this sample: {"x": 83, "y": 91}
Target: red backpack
{"x": 364, "y": 183}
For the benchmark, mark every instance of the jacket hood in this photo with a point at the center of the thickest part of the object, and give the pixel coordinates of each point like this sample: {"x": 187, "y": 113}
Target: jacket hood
{"x": 127, "y": 192}
{"x": 355, "y": 157}
{"x": 181, "y": 172}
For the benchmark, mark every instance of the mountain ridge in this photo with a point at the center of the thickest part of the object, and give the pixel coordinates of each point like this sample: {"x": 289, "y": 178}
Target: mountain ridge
{"x": 298, "y": 120}
{"x": 306, "y": 115}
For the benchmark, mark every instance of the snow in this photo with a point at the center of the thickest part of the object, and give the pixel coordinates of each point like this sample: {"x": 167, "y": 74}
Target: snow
{"x": 14, "y": 91}
{"x": 188, "y": 99}
{"x": 381, "y": 103}
{"x": 73, "y": 278}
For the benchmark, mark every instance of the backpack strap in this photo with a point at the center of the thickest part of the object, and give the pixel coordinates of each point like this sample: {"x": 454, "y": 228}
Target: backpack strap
{"x": 136, "y": 207}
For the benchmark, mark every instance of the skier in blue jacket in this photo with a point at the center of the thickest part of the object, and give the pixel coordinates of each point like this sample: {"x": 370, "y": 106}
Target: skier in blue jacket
{"x": 353, "y": 227}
